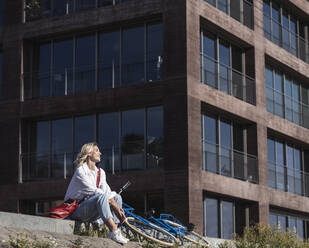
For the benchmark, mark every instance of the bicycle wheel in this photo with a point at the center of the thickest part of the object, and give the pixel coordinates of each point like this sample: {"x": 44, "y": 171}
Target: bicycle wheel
{"x": 153, "y": 232}
{"x": 195, "y": 238}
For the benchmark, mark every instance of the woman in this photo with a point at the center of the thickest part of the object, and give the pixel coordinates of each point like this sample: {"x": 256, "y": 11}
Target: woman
{"x": 96, "y": 202}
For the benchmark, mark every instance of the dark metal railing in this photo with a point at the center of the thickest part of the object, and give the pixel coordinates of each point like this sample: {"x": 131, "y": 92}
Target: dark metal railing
{"x": 86, "y": 78}
{"x": 226, "y": 79}
{"x": 230, "y": 162}
{"x": 288, "y": 179}
{"x": 59, "y": 165}
{"x": 285, "y": 38}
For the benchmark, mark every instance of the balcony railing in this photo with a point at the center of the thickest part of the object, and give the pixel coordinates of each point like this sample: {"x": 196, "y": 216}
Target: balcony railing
{"x": 285, "y": 38}
{"x": 59, "y": 165}
{"x": 288, "y": 179}
{"x": 69, "y": 81}
{"x": 226, "y": 79}
{"x": 229, "y": 162}
{"x": 38, "y": 9}
{"x": 287, "y": 107}
{"x": 44, "y": 166}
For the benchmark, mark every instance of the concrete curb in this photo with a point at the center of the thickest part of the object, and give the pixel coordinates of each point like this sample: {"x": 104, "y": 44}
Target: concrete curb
{"x": 31, "y": 222}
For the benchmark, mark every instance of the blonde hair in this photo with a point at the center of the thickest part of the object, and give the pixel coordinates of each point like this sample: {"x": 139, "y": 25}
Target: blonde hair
{"x": 84, "y": 153}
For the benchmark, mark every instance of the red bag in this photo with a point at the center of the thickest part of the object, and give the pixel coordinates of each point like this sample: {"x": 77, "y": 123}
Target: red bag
{"x": 65, "y": 209}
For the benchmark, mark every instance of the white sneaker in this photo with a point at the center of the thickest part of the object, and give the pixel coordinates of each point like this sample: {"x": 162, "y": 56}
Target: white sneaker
{"x": 124, "y": 237}
{"x": 116, "y": 236}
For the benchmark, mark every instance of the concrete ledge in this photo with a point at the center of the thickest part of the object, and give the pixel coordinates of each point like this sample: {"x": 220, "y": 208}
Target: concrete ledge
{"x": 31, "y": 222}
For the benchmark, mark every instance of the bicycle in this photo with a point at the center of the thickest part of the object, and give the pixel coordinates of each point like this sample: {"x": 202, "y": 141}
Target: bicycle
{"x": 175, "y": 227}
{"x": 147, "y": 229}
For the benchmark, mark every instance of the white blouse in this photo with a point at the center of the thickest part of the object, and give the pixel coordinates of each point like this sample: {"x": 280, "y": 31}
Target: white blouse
{"x": 84, "y": 184}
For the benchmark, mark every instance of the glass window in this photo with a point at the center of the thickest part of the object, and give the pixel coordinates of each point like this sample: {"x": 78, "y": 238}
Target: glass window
{"x": 209, "y": 56}
{"x": 269, "y": 90}
{"x": 271, "y": 163}
{"x": 267, "y": 20}
{"x": 44, "y": 69}
{"x": 155, "y": 137}
{"x": 276, "y": 30}
{"x": 102, "y": 3}
{"x": 132, "y": 70}
{"x": 62, "y": 148}
{"x": 290, "y": 168}
{"x": 154, "y": 51}
{"x": 273, "y": 220}
{"x": 222, "y": 5}
{"x": 282, "y": 223}
{"x": 248, "y": 13}
{"x": 288, "y": 100}
{"x": 109, "y": 60}
{"x": 210, "y": 143}
{"x": 212, "y": 214}
{"x": 83, "y": 131}
{"x": 235, "y": 9}
{"x": 292, "y": 225}
{"x": 108, "y": 137}
{"x": 285, "y": 31}
{"x": 84, "y": 4}
{"x": 212, "y": 2}
{"x": 39, "y": 162}
{"x": 227, "y": 220}
{"x": 224, "y": 68}
{"x": 280, "y": 166}
{"x": 225, "y": 148}
{"x": 60, "y": 7}
{"x": 300, "y": 228}
{"x": 132, "y": 139}
{"x": 85, "y": 64}
{"x": 63, "y": 67}
{"x": 296, "y": 103}
{"x": 278, "y": 94}
{"x": 209, "y": 45}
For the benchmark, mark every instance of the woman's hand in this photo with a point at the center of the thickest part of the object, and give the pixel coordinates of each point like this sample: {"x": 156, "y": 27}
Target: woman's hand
{"x": 117, "y": 210}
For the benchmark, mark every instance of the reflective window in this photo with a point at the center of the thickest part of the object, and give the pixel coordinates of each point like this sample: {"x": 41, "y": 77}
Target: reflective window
{"x": 154, "y": 52}
{"x": 83, "y": 131}
{"x": 139, "y": 131}
{"x": 132, "y": 70}
{"x": 285, "y": 169}
{"x": 280, "y": 26}
{"x": 225, "y": 148}
{"x": 212, "y": 218}
{"x": 44, "y": 71}
{"x": 241, "y": 10}
{"x": 61, "y": 148}
{"x": 155, "y": 137}
{"x": 63, "y": 68}
{"x": 284, "y": 221}
{"x": 222, "y": 67}
{"x": 108, "y": 139}
{"x": 227, "y": 220}
{"x": 101, "y": 60}
{"x": 132, "y": 139}
{"x": 210, "y": 143}
{"x": 39, "y": 161}
{"x": 286, "y": 97}
{"x": 85, "y": 64}
{"x": 109, "y": 60}
{"x": 223, "y": 218}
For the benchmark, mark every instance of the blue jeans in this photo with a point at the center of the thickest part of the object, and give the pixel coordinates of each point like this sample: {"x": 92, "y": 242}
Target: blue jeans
{"x": 96, "y": 206}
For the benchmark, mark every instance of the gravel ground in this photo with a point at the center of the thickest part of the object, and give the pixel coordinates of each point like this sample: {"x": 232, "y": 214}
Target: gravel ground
{"x": 60, "y": 240}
